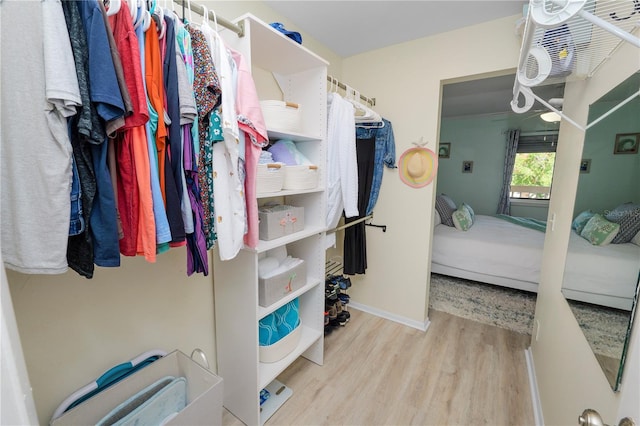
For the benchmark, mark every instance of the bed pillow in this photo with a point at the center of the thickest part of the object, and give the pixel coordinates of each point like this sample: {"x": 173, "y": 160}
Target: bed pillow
{"x": 462, "y": 219}
{"x": 445, "y": 206}
{"x": 471, "y": 212}
{"x": 437, "y": 220}
{"x": 628, "y": 216}
{"x": 599, "y": 231}
{"x": 636, "y": 239}
{"x": 581, "y": 220}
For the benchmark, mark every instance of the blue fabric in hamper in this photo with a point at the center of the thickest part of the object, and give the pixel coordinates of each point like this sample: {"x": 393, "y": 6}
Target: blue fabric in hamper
{"x": 151, "y": 406}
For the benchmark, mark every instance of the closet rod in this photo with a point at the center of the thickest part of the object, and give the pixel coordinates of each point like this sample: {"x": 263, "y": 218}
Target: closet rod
{"x": 339, "y": 228}
{"x": 332, "y": 80}
{"x": 195, "y": 7}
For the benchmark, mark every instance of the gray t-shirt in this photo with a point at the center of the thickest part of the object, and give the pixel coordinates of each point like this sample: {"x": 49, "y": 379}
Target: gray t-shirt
{"x": 36, "y": 152}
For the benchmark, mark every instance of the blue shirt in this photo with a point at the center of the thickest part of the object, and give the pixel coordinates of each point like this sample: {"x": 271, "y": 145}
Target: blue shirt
{"x": 385, "y": 155}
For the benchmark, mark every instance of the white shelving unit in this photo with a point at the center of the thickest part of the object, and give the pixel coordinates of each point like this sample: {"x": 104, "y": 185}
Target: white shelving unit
{"x": 300, "y": 75}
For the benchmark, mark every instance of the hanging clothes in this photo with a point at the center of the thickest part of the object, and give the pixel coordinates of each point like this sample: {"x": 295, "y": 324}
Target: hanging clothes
{"x": 90, "y": 44}
{"x": 251, "y": 123}
{"x": 173, "y": 153}
{"x": 342, "y": 172}
{"x": 355, "y": 239}
{"x": 188, "y": 111}
{"x": 35, "y": 143}
{"x": 197, "y": 257}
{"x": 375, "y": 149}
{"x": 207, "y": 94}
{"x": 385, "y": 155}
{"x": 228, "y": 164}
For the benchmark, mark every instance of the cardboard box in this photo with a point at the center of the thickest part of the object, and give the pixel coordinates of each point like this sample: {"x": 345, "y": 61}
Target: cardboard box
{"x": 270, "y": 290}
{"x": 279, "y": 220}
{"x": 204, "y": 393}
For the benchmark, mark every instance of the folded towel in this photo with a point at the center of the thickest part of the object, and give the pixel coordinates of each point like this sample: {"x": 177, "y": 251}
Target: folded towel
{"x": 285, "y": 151}
{"x": 266, "y": 266}
{"x": 286, "y": 265}
{"x": 152, "y": 405}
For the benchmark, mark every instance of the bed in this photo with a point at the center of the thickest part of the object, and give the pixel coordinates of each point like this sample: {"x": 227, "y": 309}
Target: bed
{"x": 496, "y": 251}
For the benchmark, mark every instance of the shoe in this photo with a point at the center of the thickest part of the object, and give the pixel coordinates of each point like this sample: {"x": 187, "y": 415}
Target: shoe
{"x": 344, "y": 298}
{"x": 343, "y": 318}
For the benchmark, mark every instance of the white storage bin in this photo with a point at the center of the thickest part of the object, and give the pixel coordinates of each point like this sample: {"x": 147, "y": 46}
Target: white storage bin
{"x": 300, "y": 177}
{"x": 270, "y": 290}
{"x": 269, "y": 178}
{"x": 282, "y": 116}
{"x": 204, "y": 393}
{"x": 279, "y": 220}
{"x": 281, "y": 348}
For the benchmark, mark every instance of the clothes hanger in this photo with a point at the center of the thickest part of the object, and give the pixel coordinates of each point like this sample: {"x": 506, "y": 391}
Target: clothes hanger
{"x": 190, "y": 13}
{"x": 114, "y": 7}
{"x": 133, "y": 10}
{"x": 158, "y": 12}
{"x": 205, "y": 16}
{"x": 141, "y": 14}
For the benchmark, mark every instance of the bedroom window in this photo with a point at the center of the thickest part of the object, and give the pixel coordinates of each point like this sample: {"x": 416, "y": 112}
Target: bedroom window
{"x": 533, "y": 169}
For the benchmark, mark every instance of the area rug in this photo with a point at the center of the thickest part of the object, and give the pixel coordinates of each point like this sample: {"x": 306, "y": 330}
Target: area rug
{"x": 514, "y": 310}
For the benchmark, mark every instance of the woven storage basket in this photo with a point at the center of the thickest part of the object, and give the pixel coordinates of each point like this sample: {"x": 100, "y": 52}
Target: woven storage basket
{"x": 269, "y": 178}
{"x": 300, "y": 177}
{"x": 282, "y": 116}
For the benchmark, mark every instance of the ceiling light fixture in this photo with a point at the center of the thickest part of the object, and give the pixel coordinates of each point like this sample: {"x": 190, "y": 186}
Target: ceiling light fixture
{"x": 551, "y": 117}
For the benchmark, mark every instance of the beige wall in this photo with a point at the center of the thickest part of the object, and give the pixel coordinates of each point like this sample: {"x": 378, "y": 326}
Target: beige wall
{"x": 406, "y": 81}
{"x": 569, "y": 377}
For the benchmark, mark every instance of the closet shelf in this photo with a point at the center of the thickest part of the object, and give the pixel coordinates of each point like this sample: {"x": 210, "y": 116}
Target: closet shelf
{"x": 278, "y": 242}
{"x": 569, "y": 40}
{"x": 263, "y": 312}
{"x": 298, "y": 137}
{"x": 286, "y": 192}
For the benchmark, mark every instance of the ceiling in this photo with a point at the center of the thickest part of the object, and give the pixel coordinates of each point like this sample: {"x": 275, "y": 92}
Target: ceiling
{"x": 352, "y": 27}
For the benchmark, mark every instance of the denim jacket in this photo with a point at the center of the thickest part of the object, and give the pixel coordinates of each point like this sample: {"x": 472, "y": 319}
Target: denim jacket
{"x": 76, "y": 224}
{"x": 385, "y": 155}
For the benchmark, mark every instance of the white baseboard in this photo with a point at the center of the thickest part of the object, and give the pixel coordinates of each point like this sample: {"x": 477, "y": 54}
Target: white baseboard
{"x": 392, "y": 317}
{"x": 533, "y": 387}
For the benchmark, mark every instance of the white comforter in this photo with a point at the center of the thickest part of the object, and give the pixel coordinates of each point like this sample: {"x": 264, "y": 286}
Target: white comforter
{"x": 499, "y": 248}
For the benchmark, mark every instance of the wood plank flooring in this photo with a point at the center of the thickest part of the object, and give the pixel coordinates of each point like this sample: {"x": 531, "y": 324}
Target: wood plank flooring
{"x": 378, "y": 372}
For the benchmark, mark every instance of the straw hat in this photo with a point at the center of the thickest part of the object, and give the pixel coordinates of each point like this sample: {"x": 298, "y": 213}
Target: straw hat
{"x": 418, "y": 166}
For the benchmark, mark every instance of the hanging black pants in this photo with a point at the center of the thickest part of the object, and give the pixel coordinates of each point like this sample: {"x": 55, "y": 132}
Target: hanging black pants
{"x": 355, "y": 241}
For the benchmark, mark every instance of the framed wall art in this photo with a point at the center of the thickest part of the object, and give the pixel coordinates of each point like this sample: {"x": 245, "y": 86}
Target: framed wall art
{"x": 626, "y": 143}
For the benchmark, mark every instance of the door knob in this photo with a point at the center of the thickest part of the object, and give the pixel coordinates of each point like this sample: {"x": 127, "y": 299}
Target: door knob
{"x": 591, "y": 417}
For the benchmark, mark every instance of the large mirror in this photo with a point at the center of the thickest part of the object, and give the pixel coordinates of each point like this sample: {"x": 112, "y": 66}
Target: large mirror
{"x": 601, "y": 275}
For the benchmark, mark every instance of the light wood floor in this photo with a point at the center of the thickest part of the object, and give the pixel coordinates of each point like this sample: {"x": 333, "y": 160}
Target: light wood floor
{"x": 378, "y": 372}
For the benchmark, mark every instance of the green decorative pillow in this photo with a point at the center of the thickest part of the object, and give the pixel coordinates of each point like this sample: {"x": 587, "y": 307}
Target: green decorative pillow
{"x": 581, "y": 220}
{"x": 462, "y": 219}
{"x": 471, "y": 212}
{"x": 599, "y": 231}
